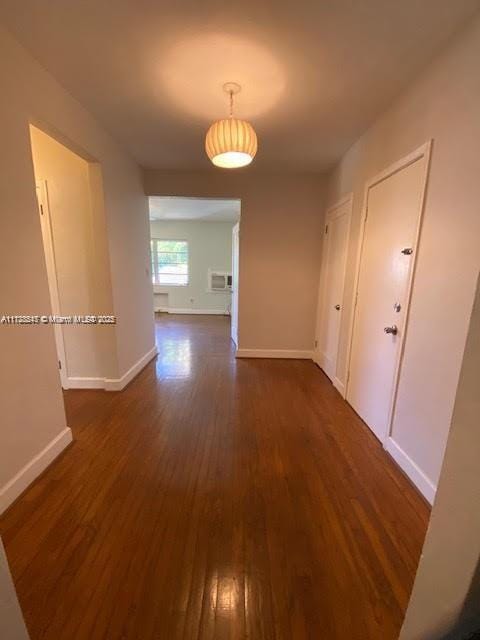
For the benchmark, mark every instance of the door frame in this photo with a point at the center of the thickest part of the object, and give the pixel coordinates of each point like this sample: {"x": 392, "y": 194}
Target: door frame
{"x": 235, "y": 292}
{"x": 49, "y": 250}
{"x": 423, "y": 151}
{"x": 329, "y": 216}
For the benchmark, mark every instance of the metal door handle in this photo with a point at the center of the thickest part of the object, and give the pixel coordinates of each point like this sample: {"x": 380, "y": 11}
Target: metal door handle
{"x": 337, "y": 307}
{"x": 393, "y": 329}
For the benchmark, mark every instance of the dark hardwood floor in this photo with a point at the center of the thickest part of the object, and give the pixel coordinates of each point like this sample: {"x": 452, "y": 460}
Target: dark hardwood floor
{"x": 216, "y": 499}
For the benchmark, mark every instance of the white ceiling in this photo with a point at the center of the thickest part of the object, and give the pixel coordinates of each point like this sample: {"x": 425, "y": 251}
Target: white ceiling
{"x": 315, "y": 73}
{"x": 199, "y": 209}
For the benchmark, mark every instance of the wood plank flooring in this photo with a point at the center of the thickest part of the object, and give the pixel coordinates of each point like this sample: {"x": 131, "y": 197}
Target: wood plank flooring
{"x": 216, "y": 499}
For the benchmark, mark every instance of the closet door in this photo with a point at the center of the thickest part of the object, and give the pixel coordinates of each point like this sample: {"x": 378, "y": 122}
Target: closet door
{"x": 392, "y": 220}
{"x": 329, "y": 318}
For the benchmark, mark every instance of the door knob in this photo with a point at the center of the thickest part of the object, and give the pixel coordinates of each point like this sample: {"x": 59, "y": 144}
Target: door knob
{"x": 393, "y": 329}
{"x": 337, "y": 307}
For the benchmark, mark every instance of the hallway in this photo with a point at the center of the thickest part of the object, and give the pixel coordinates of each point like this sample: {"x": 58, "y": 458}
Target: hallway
{"x": 215, "y": 499}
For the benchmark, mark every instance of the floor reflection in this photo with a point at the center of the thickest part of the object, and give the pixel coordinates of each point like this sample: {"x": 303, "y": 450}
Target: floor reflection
{"x": 227, "y": 594}
{"x": 185, "y": 343}
{"x": 174, "y": 358}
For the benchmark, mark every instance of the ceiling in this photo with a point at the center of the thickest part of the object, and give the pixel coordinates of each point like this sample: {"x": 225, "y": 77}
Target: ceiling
{"x": 198, "y": 209}
{"x": 315, "y": 73}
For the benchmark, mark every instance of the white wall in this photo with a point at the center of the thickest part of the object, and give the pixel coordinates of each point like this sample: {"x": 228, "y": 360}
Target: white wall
{"x": 446, "y": 594}
{"x": 12, "y": 625}
{"x": 30, "y": 396}
{"x": 280, "y": 249}
{"x": 442, "y": 104}
{"x": 209, "y": 246}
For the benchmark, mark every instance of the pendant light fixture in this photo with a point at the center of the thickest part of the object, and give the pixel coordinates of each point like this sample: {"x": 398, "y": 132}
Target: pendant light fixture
{"x": 231, "y": 143}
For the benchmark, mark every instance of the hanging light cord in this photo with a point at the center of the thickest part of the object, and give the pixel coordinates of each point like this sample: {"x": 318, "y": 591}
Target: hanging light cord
{"x": 231, "y": 103}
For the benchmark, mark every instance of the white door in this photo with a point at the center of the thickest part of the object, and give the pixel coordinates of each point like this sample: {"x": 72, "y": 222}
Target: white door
{"x": 235, "y": 264}
{"x": 329, "y": 316}
{"x": 394, "y": 203}
{"x": 49, "y": 248}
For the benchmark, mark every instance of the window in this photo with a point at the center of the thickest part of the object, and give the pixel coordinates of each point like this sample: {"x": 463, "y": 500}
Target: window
{"x": 169, "y": 262}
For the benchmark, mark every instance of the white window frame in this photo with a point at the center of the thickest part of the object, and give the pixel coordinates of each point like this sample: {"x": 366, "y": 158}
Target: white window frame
{"x": 154, "y": 261}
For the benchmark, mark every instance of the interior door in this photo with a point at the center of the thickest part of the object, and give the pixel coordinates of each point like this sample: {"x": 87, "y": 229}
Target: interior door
{"x": 329, "y": 315}
{"x": 393, "y": 210}
{"x": 235, "y": 264}
{"x": 49, "y": 249}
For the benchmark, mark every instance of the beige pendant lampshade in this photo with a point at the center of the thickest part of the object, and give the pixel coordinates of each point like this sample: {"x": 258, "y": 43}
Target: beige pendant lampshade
{"x": 231, "y": 143}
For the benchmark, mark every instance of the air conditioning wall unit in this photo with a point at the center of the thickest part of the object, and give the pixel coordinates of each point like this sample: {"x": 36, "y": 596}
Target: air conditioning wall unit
{"x": 219, "y": 280}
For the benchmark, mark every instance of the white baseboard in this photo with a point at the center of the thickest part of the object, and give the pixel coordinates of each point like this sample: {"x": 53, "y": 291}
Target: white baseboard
{"x": 112, "y": 384}
{"x": 339, "y": 386}
{"x": 274, "y": 353}
{"x": 320, "y": 359}
{"x": 117, "y": 384}
{"x": 413, "y": 471}
{"x": 198, "y": 312}
{"x": 14, "y": 487}
{"x": 85, "y": 383}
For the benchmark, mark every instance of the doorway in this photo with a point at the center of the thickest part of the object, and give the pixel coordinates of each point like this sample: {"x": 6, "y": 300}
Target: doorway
{"x": 194, "y": 261}
{"x": 330, "y": 309}
{"x": 72, "y": 221}
{"x": 391, "y": 230}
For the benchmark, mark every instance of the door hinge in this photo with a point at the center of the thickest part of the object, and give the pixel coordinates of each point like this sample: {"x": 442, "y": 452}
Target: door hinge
{"x": 41, "y": 209}
{"x": 316, "y": 344}
{"x": 59, "y": 364}
{"x": 326, "y": 229}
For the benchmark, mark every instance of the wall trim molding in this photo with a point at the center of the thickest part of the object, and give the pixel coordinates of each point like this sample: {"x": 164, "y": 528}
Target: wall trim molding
{"x": 112, "y": 384}
{"x": 202, "y": 312}
{"x": 275, "y": 353}
{"x": 117, "y": 384}
{"x": 20, "y": 481}
{"x": 85, "y": 383}
{"x": 339, "y": 386}
{"x": 337, "y": 383}
{"x": 413, "y": 471}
